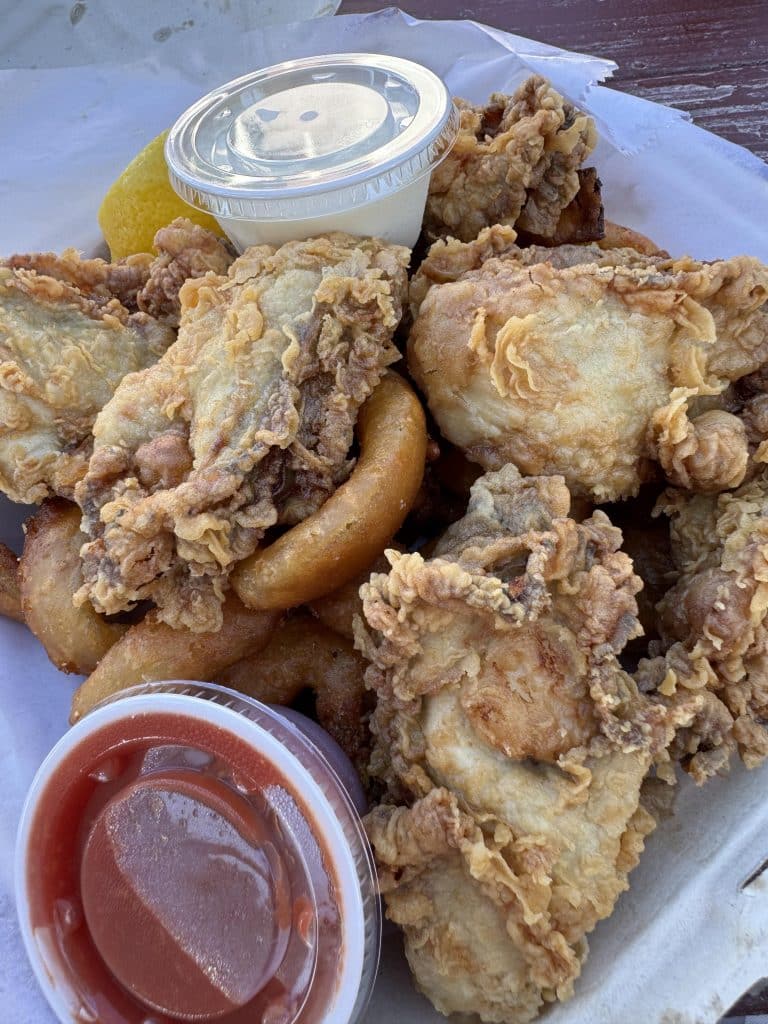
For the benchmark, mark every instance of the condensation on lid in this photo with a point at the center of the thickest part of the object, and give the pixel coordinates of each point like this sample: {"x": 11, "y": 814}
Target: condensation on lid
{"x": 309, "y": 137}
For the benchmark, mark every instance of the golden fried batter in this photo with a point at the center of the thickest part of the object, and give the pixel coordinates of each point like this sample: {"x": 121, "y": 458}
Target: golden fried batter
{"x": 449, "y": 259}
{"x": 586, "y": 362}
{"x": 70, "y": 330}
{"x": 511, "y": 743}
{"x": 10, "y": 593}
{"x": 95, "y": 279}
{"x": 62, "y": 354}
{"x": 246, "y": 422}
{"x": 144, "y": 282}
{"x": 184, "y": 251}
{"x": 715, "y": 622}
{"x": 582, "y": 220}
{"x": 515, "y": 162}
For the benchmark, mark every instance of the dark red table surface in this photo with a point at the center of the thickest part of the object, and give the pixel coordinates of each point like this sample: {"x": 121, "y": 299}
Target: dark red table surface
{"x": 708, "y": 57}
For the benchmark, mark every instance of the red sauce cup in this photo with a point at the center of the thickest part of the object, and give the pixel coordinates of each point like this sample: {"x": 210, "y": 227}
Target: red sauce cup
{"x": 189, "y": 854}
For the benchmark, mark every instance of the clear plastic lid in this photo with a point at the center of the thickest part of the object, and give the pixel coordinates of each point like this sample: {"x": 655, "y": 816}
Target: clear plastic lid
{"x": 311, "y": 137}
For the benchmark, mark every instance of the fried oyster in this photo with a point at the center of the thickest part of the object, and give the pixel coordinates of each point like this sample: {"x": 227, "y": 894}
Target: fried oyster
{"x": 595, "y": 364}
{"x": 516, "y": 162}
{"x": 62, "y": 354}
{"x": 70, "y": 330}
{"x": 714, "y": 624}
{"x": 511, "y": 745}
{"x": 245, "y": 423}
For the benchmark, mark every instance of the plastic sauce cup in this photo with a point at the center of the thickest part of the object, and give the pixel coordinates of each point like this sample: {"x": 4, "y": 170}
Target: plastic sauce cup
{"x": 188, "y": 859}
{"x": 343, "y": 142}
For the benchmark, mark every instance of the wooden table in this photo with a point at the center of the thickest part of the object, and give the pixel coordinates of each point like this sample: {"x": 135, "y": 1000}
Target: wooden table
{"x": 708, "y": 57}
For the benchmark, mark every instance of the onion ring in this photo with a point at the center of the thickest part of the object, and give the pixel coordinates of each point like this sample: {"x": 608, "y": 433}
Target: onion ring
{"x": 302, "y": 654}
{"x": 354, "y": 525}
{"x": 75, "y": 638}
{"x": 152, "y": 650}
{"x": 338, "y": 609}
{"x": 10, "y": 596}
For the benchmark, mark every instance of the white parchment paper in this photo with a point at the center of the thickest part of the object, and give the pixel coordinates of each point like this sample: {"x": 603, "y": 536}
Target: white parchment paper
{"x": 687, "y": 939}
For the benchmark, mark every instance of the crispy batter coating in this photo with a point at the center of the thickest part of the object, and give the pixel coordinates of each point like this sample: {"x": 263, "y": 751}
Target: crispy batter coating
{"x": 515, "y": 162}
{"x": 715, "y": 621}
{"x": 144, "y": 282}
{"x": 511, "y": 743}
{"x": 704, "y": 746}
{"x": 10, "y": 594}
{"x": 582, "y": 220}
{"x": 449, "y": 259}
{"x": 184, "y": 251}
{"x": 96, "y": 279}
{"x": 708, "y": 453}
{"x": 70, "y": 330}
{"x": 586, "y": 362}
{"x": 246, "y": 422}
{"x": 63, "y": 352}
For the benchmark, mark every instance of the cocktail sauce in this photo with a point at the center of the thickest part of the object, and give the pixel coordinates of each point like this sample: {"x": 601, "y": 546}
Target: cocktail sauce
{"x": 174, "y": 874}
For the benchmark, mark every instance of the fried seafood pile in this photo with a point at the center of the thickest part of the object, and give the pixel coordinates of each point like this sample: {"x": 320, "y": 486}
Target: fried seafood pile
{"x": 519, "y": 625}
{"x": 195, "y": 401}
{"x": 246, "y": 422}
{"x": 511, "y": 743}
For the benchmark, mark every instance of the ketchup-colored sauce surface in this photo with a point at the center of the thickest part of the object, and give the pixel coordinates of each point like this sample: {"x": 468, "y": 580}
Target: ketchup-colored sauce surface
{"x": 174, "y": 874}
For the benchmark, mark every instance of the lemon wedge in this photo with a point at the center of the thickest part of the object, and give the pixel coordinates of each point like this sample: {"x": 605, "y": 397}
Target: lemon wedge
{"x": 141, "y": 201}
